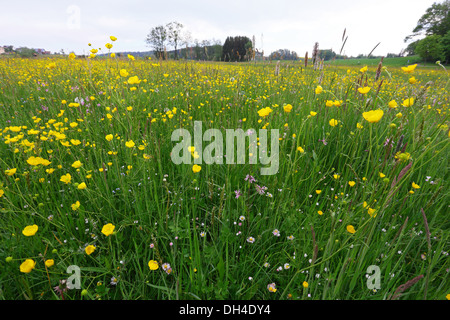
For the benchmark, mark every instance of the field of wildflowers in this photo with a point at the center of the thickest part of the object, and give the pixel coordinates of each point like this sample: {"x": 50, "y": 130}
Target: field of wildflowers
{"x": 87, "y": 182}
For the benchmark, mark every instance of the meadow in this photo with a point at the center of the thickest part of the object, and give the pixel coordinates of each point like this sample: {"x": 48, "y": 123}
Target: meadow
{"x": 357, "y": 210}
{"x": 388, "y": 62}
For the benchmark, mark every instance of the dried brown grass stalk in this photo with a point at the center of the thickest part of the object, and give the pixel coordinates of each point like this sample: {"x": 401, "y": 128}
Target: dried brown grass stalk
{"x": 378, "y": 73}
{"x": 392, "y": 191}
{"x": 277, "y": 68}
{"x": 315, "y": 55}
{"x": 405, "y": 287}
{"x": 427, "y": 229}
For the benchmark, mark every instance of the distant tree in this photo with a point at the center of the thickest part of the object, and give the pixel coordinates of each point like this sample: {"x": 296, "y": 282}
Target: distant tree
{"x": 283, "y": 54}
{"x": 234, "y": 48}
{"x": 435, "y": 20}
{"x": 411, "y": 48}
{"x": 327, "y": 54}
{"x": 175, "y": 35}
{"x": 430, "y": 48}
{"x": 8, "y": 49}
{"x": 157, "y": 39}
{"x": 25, "y": 52}
{"x": 216, "y": 53}
{"x": 445, "y": 43}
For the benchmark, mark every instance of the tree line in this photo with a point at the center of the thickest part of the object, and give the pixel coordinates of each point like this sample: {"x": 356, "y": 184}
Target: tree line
{"x": 435, "y": 26}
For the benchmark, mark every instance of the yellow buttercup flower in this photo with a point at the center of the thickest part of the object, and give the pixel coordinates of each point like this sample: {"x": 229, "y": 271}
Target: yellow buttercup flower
{"x": 49, "y": 263}
{"x": 319, "y": 90}
{"x": 113, "y": 38}
{"x": 337, "y": 103}
{"x": 415, "y": 186}
{"x": 373, "y": 116}
{"x": 66, "y": 178}
{"x": 351, "y": 229}
{"x": 196, "y": 168}
{"x": 408, "y": 102}
{"x": 300, "y": 149}
{"x": 10, "y": 172}
{"x": 75, "y": 205}
{"x": 35, "y": 161}
{"x": 27, "y": 266}
{"x": 351, "y": 183}
{"x": 363, "y": 90}
{"x": 153, "y": 265}
{"x": 77, "y": 164}
{"x": 130, "y": 144}
{"x": 82, "y": 186}
{"x": 333, "y": 122}
{"x": 364, "y": 69}
{"x": 392, "y": 104}
{"x": 287, "y": 108}
{"x": 108, "y": 229}
{"x": 89, "y": 249}
{"x": 409, "y": 69}
{"x": 109, "y": 137}
{"x": 134, "y": 80}
{"x": 29, "y": 231}
{"x": 123, "y": 73}
{"x": 264, "y": 112}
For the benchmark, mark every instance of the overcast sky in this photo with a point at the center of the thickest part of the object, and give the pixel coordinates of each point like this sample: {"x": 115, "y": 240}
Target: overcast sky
{"x": 276, "y": 24}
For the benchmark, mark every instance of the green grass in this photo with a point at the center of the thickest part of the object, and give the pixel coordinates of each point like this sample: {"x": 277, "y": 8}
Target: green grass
{"x": 388, "y": 62}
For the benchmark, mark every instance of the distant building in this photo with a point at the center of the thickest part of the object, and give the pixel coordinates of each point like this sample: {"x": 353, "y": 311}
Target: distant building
{"x": 2, "y": 50}
{"x": 41, "y": 51}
